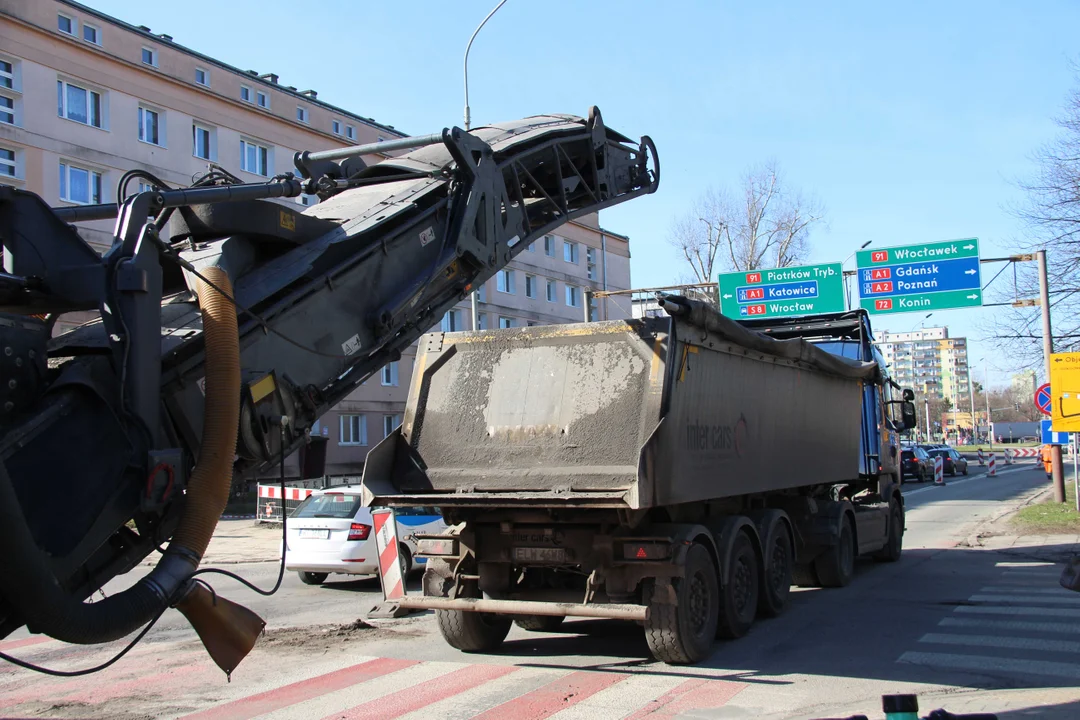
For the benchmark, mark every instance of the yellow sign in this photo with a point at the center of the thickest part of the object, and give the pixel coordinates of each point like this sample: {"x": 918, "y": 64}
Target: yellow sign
{"x": 1065, "y": 392}
{"x": 286, "y": 220}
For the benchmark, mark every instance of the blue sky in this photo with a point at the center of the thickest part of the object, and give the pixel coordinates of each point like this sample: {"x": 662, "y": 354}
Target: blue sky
{"x": 910, "y": 122}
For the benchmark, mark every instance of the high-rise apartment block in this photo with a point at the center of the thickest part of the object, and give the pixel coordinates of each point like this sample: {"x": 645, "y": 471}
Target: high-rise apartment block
{"x": 929, "y": 362}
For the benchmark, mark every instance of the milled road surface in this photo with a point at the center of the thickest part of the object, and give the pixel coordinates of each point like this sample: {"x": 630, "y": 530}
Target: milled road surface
{"x": 967, "y": 629}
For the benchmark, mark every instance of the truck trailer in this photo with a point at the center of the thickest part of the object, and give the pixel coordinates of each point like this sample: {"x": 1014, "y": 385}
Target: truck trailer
{"x": 682, "y": 472}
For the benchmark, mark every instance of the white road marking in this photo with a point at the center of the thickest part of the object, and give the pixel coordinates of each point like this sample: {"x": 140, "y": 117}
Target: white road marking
{"x": 992, "y": 664}
{"x": 1014, "y": 643}
{"x": 1073, "y": 600}
{"x": 1018, "y": 610}
{"x": 1018, "y": 625}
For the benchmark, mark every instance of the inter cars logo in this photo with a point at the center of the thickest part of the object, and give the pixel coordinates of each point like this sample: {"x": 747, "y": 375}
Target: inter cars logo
{"x": 740, "y": 435}
{"x": 718, "y": 438}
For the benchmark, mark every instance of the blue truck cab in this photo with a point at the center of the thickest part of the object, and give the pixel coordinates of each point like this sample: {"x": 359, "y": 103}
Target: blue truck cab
{"x": 849, "y": 335}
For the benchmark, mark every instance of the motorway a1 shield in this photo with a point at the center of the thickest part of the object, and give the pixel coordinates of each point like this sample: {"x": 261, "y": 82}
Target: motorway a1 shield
{"x": 926, "y": 277}
{"x": 782, "y": 292}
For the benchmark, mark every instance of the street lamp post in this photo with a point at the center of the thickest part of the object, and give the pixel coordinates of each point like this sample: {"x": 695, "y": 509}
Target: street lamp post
{"x": 468, "y": 122}
{"x": 847, "y": 286}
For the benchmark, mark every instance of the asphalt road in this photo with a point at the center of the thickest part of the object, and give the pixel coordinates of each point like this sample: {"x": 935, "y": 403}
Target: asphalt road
{"x": 962, "y": 627}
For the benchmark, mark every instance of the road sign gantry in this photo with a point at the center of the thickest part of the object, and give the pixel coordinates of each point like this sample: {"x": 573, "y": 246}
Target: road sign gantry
{"x": 782, "y": 292}
{"x": 912, "y": 278}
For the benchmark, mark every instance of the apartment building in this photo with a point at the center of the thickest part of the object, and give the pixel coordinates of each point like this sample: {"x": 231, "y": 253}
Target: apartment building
{"x": 930, "y": 362}
{"x": 85, "y": 97}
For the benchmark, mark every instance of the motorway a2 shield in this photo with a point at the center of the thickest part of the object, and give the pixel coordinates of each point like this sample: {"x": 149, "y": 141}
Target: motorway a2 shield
{"x": 926, "y": 277}
{"x": 782, "y": 292}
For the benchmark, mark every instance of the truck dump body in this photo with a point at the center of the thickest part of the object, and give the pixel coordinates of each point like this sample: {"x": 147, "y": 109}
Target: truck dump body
{"x": 634, "y": 413}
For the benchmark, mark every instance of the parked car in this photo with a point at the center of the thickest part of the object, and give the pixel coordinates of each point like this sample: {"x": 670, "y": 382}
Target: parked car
{"x": 953, "y": 462}
{"x": 330, "y": 532}
{"x": 914, "y": 462}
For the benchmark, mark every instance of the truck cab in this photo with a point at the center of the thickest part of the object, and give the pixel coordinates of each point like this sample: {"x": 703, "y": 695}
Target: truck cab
{"x": 849, "y": 335}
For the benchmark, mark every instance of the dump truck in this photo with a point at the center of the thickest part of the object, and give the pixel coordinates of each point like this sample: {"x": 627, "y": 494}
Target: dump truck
{"x": 681, "y": 472}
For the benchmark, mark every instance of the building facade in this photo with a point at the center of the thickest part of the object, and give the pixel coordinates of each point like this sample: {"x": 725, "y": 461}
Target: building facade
{"x": 929, "y": 362}
{"x": 85, "y": 97}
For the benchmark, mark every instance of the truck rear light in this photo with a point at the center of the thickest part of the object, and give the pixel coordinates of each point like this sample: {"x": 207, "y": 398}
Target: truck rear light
{"x": 645, "y": 551}
{"x": 359, "y": 531}
{"x": 437, "y": 547}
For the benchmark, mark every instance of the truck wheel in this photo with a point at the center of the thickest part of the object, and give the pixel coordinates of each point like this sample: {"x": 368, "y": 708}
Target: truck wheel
{"x": 776, "y": 578}
{"x": 683, "y": 633}
{"x": 739, "y": 597}
{"x": 805, "y": 576}
{"x": 836, "y": 566}
{"x": 312, "y": 578}
{"x": 895, "y": 544}
{"x": 472, "y": 631}
{"x": 539, "y": 623}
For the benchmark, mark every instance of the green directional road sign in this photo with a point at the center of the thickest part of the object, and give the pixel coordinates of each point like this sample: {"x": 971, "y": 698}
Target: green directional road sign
{"x": 910, "y": 278}
{"x": 782, "y": 292}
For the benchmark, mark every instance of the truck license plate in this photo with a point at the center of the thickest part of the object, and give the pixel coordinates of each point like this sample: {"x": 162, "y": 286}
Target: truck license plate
{"x": 541, "y": 555}
{"x": 316, "y": 534}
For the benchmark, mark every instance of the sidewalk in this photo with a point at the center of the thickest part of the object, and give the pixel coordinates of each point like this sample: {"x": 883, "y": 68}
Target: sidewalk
{"x": 239, "y": 541}
{"x": 1000, "y": 534}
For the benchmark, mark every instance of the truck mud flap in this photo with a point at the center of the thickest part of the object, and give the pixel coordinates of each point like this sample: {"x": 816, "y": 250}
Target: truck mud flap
{"x": 638, "y": 613}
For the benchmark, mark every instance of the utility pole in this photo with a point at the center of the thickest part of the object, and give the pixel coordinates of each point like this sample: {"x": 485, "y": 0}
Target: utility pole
{"x": 926, "y": 405}
{"x": 986, "y": 397}
{"x": 468, "y": 123}
{"x": 971, "y": 399}
{"x": 1048, "y": 350}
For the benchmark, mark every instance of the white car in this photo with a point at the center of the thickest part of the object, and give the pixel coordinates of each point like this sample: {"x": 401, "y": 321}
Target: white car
{"x": 330, "y": 532}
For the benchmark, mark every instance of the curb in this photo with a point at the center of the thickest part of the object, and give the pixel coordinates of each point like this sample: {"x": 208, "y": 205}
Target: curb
{"x": 972, "y": 540}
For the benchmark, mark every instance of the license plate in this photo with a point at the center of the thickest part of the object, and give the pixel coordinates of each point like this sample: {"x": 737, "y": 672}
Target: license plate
{"x": 541, "y": 555}
{"x": 315, "y": 534}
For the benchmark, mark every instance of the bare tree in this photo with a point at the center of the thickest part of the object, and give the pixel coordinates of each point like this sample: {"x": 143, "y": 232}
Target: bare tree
{"x": 761, "y": 225}
{"x": 1051, "y": 214}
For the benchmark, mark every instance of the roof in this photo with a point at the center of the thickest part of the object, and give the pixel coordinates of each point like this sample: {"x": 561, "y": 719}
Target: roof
{"x": 249, "y": 75}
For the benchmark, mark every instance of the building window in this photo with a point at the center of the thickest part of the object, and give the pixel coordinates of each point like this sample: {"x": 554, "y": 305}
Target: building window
{"x": 350, "y": 132}
{"x": 146, "y": 187}
{"x": 530, "y": 286}
{"x": 389, "y": 423}
{"x": 451, "y": 321}
{"x": 7, "y": 74}
{"x": 202, "y": 77}
{"x": 380, "y": 139}
{"x": 353, "y": 430}
{"x": 245, "y": 93}
{"x": 65, "y": 24}
{"x": 390, "y": 375}
{"x": 531, "y": 323}
{"x": 150, "y": 126}
{"x": 336, "y": 125}
{"x": 79, "y": 185}
{"x": 590, "y": 262}
{"x": 505, "y": 282}
{"x": 301, "y": 113}
{"x": 91, "y": 34}
{"x": 149, "y": 57}
{"x": 549, "y": 245}
{"x": 573, "y": 296}
{"x": 78, "y": 104}
{"x": 262, "y": 99}
{"x": 569, "y": 251}
{"x": 307, "y": 200}
{"x": 532, "y": 246}
{"x": 7, "y": 162}
{"x": 202, "y": 145}
{"x": 551, "y": 291}
{"x": 7, "y": 110}
{"x": 481, "y": 293}
{"x": 505, "y": 322}
{"x": 254, "y": 158}
{"x": 481, "y": 321}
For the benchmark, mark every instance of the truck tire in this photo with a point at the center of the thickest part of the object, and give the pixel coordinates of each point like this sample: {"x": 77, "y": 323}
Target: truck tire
{"x": 776, "y": 574}
{"x": 309, "y": 578}
{"x": 538, "y": 623}
{"x": 894, "y": 546}
{"x": 683, "y": 633}
{"x": 472, "y": 631}
{"x": 739, "y": 596}
{"x": 836, "y": 566}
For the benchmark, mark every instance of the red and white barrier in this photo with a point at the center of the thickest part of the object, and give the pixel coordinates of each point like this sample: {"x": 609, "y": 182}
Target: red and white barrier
{"x": 982, "y": 460}
{"x": 1008, "y": 456}
{"x": 274, "y": 492}
{"x": 1025, "y": 453}
{"x": 939, "y": 470}
{"x": 992, "y": 469}
{"x": 386, "y": 545}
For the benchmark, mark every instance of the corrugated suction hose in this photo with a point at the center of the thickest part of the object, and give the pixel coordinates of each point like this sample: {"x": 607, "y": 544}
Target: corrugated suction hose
{"x": 25, "y": 578}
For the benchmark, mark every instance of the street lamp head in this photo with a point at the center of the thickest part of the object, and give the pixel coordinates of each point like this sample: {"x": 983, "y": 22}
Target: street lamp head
{"x": 865, "y": 244}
